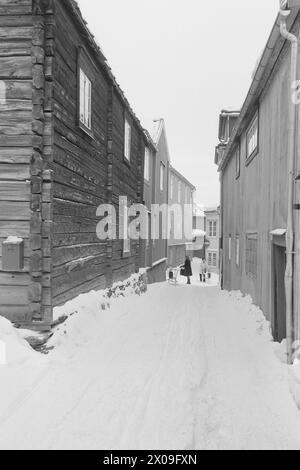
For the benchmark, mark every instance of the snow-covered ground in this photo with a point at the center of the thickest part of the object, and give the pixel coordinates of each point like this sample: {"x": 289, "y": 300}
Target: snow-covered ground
{"x": 177, "y": 368}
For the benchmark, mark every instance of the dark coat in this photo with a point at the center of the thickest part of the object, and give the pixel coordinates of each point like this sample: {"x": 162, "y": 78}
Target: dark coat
{"x": 188, "y": 268}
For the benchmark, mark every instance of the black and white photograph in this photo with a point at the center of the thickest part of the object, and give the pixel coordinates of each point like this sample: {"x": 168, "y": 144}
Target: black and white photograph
{"x": 149, "y": 228}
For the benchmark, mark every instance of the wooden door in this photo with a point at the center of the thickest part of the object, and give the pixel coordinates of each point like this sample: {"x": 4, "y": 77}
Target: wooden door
{"x": 279, "y": 293}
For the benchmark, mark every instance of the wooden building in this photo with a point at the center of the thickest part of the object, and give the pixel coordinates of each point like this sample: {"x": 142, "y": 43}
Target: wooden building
{"x": 160, "y": 187}
{"x": 181, "y": 193}
{"x": 212, "y": 229}
{"x": 253, "y": 164}
{"x": 69, "y": 142}
{"x": 150, "y": 185}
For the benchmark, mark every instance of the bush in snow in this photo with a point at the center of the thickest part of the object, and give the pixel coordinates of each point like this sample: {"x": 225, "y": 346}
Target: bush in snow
{"x": 136, "y": 284}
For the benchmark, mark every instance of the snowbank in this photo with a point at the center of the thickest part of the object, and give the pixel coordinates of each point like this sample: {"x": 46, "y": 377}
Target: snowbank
{"x": 263, "y": 326}
{"x": 294, "y": 376}
{"x": 86, "y": 311}
{"x": 13, "y": 347}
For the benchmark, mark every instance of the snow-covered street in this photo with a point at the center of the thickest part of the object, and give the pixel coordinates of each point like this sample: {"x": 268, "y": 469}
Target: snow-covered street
{"x": 181, "y": 367}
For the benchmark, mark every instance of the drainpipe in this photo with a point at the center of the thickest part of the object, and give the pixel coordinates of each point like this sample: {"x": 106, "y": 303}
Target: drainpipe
{"x": 289, "y": 275}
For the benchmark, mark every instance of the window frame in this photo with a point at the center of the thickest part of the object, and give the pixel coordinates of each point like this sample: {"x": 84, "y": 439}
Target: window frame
{"x": 212, "y": 228}
{"x": 149, "y": 237}
{"x": 187, "y": 195}
{"x": 179, "y": 192}
{"x": 147, "y": 165}
{"x": 252, "y": 155}
{"x": 126, "y": 249}
{"x": 250, "y": 273}
{"x": 213, "y": 255}
{"x": 237, "y": 156}
{"x": 85, "y": 99}
{"x": 127, "y": 139}
{"x": 86, "y": 66}
{"x": 238, "y": 251}
{"x": 162, "y": 173}
{"x": 229, "y": 248}
{"x": 172, "y": 186}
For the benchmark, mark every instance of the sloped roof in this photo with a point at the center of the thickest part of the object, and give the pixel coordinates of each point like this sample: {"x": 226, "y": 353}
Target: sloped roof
{"x": 182, "y": 178}
{"x": 73, "y": 7}
{"x": 158, "y": 127}
{"x": 272, "y": 51}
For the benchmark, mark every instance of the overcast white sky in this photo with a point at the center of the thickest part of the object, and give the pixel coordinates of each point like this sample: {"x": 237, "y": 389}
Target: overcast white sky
{"x": 184, "y": 61}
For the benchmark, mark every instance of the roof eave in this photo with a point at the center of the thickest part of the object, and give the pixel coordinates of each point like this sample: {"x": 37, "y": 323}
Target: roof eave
{"x": 259, "y": 77}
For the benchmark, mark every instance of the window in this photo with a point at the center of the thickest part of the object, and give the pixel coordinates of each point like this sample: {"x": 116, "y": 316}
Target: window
{"x": 229, "y": 248}
{"x": 187, "y": 196}
{"x": 126, "y": 239}
{"x": 179, "y": 191}
{"x": 237, "y": 162}
{"x": 2, "y": 93}
{"x": 237, "y": 250}
{"x": 85, "y": 100}
{"x": 251, "y": 255}
{"x": 172, "y": 187}
{"x": 212, "y": 259}
{"x": 162, "y": 176}
{"x": 127, "y": 141}
{"x": 147, "y": 164}
{"x": 212, "y": 229}
{"x": 252, "y": 139}
{"x": 149, "y": 229}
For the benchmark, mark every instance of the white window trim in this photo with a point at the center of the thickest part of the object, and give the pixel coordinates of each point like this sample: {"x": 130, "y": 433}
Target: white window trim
{"x": 212, "y": 228}
{"x": 126, "y": 239}
{"x": 162, "y": 176}
{"x": 172, "y": 187}
{"x": 252, "y": 138}
{"x": 85, "y": 99}
{"x": 187, "y": 194}
{"x": 147, "y": 164}
{"x": 213, "y": 255}
{"x": 238, "y": 251}
{"x": 127, "y": 140}
{"x": 229, "y": 247}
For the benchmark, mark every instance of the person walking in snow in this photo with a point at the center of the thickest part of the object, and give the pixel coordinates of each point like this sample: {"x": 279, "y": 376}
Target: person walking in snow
{"x": 204, "y": 270}
{"x": 188, "y": 269}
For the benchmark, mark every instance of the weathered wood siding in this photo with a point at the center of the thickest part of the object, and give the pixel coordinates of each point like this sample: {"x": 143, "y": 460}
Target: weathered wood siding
{"x": 160, "y": 249}
{"x": 53, "y": 175}
{"x": 25, "y": 296}
{"x": 149, "y": 199}
{"x": 257, "y": 200}
{"x": 16, "y": 29}
{"x": 87, "y": 171}
{"x": 79, "y": 170}
{"x": 127, "y": 180}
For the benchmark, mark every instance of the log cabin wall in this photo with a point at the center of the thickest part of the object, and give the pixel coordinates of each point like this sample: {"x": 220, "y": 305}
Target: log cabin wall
{"x": 127, "y": 180}
{"x": 79, "y": 167}
{"x": 16, "y": 28}
{"x": 53, "y": 173}
{"x": 89, "y": 168}
{"x": 24, "y": 129}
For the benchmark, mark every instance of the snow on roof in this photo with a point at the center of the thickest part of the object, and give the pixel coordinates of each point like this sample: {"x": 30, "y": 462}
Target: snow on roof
{"x": 228, "y": 112}
{"x": 158, "y": 125}
{"x": 13, "y": 240}
{"x": 198, "y": 210}
{"x": 279, "y": 232}
{"x": 198, "y": 233}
